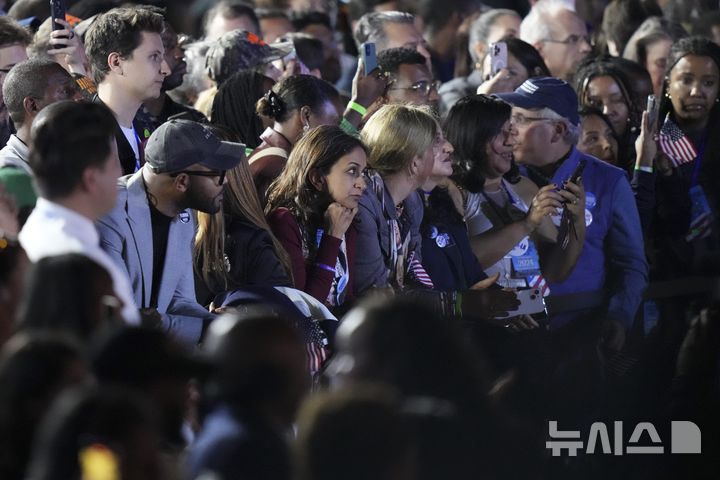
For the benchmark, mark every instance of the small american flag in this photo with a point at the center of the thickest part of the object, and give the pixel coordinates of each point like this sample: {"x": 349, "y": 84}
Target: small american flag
{"x": 675, "y": 144}
{"x": 417, "y": 271}
{"x": 538, "y": 282}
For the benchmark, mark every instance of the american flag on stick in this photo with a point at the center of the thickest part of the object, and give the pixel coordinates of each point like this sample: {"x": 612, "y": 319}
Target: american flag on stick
{"x": 675, "y": 144}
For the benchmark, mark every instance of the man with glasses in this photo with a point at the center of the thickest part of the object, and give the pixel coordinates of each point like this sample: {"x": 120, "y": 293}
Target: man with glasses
{"x": 151, "y": 229}
{"x": 611, "y": 273}
{"x": 559, "y": 34}
{"x": 409, "y": 80}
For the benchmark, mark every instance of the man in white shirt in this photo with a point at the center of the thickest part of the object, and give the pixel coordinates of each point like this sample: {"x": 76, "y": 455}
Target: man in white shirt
{"x": 74, "y": 158}
{"x": 126, "y": 53}
{"x": 28, "y": 88}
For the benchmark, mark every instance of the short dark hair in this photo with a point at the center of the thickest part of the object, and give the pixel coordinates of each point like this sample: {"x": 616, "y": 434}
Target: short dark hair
{"x": 302, "y": 20}
{"x": 11, "y": 33}
{"x": 231, "y": 9}
{"x": 309, "y": 49}
{"x": 528, "y": 56}
{"x": 119, "y": 30}
{"x": 68, "y": 137}
{"x": 391, "y": 59}
{"x": 27, "y": 79}
{"x": 623, "y": 17}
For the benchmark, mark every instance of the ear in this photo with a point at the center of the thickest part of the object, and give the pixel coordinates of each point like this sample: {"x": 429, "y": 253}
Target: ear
{"x": 317, "y": 179}
{"x": 30, "y": 106}
{"x": 181, "y": 183}
{"x": 305, "y": 112}
{"x": 558, "y": 132}
{"x": 87, "y": 180}
{"x": 480, "y": 49}
{"x": 115, "y": 63}
{"x": 416, "y": 165}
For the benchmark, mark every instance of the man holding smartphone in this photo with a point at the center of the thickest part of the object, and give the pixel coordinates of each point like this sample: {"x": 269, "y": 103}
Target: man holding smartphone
{"x": 611, "y": 272}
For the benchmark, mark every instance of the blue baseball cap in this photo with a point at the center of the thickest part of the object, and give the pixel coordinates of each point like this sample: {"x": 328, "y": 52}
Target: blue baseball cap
{"x": 545, "y": 92}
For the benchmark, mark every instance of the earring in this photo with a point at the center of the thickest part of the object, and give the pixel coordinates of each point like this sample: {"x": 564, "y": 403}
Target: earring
{"x": 667, "y": 95}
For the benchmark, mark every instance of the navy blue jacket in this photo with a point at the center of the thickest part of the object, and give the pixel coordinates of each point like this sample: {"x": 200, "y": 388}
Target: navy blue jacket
{"x": 613, "y": 256}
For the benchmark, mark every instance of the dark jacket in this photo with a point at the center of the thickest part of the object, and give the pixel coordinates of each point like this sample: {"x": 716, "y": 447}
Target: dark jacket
{"x": 447, "y": 255}
{"x": 125, "y": 152}
{"x": 239, "y": 446}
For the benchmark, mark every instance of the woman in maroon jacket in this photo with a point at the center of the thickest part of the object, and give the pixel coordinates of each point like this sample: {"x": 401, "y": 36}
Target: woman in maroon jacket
{"x": 311, "y": 207}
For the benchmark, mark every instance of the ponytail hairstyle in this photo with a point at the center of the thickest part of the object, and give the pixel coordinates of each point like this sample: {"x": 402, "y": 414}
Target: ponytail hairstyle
{"x": 241, "y": 201}
{"x": 292, "y": 94}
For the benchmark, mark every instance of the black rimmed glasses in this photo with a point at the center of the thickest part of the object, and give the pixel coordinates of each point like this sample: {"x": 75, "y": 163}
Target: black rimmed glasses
{"x": 520, "y": 119}
{"x": 220, "y": 174}
{"x": 571, "y": 40}
{"x": 423, "y": 87}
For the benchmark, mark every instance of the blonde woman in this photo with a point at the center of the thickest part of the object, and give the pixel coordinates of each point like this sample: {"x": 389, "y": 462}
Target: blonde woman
{"x": 235, "y": 248}
{"x": 400, "y": 144}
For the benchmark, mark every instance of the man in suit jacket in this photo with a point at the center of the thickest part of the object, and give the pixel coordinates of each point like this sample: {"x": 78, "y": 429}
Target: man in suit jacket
{"x": 150, "y": 231}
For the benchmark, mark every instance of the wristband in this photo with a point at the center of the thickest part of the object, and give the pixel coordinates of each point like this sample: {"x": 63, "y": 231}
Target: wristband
{"x": 643, "y": 168}
{"x": 358, "y": 108}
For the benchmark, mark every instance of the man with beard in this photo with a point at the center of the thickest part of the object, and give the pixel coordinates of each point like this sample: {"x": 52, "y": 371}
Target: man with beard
{"x": 156, "y": 111}
{"x": 150, "y": 231}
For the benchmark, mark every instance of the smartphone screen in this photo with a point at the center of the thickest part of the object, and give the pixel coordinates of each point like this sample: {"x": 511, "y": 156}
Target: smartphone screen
{"x": 369, "y": 57}
{"x": 652, "y": 109}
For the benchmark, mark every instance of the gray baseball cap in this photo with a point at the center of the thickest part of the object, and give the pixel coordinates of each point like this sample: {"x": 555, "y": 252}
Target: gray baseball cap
{"x": 241, "y": 50}
{"x": 177, "y": 144}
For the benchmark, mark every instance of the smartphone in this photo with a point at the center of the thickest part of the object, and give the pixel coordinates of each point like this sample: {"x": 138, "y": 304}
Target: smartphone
{"x": 578, "y": 171}
{"x": 531, "y": 302}
{"x": 369, "y": 57}
{"x": 57, "y": 10}
{"x": 652, "y": 109}
{"x": 498, "y": 57}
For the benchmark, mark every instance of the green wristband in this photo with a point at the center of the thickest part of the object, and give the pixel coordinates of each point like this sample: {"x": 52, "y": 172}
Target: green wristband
{"x": 358, "y": 108}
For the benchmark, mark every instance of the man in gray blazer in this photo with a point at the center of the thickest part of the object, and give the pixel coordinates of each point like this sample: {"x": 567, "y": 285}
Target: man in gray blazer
{"x": 150, "y": 232}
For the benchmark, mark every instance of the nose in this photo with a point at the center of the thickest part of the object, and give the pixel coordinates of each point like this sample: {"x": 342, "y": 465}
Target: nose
{"x": 433, "y": 95}
{"x": 606, "y": 110}
{"x": 448, "y": 148}
{"x": 696, "y": 90}
{"x": 164, "y": 68}
{"x": 361, "y": 183}
{"x": 585, "y": 46}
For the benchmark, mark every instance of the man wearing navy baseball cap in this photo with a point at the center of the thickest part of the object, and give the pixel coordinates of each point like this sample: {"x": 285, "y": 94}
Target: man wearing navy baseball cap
{"x": 151, "y": 229}
{"x": 611, "y": 272}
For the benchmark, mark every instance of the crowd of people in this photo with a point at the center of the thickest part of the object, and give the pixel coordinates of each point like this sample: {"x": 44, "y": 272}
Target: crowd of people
{"x": 359, "y": 239}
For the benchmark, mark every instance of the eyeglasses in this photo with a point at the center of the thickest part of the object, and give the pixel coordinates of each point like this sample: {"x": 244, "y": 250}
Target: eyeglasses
{"x": 422, "y": 87}
{"x": 200, "y": 173}
{"x": 571, "y": 40}
{"x": 520, "y": 119}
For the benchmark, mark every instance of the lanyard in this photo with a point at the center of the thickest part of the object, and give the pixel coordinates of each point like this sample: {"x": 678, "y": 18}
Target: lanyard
{"x": 698, "y": 163}
{"x": 140, "y": 150}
